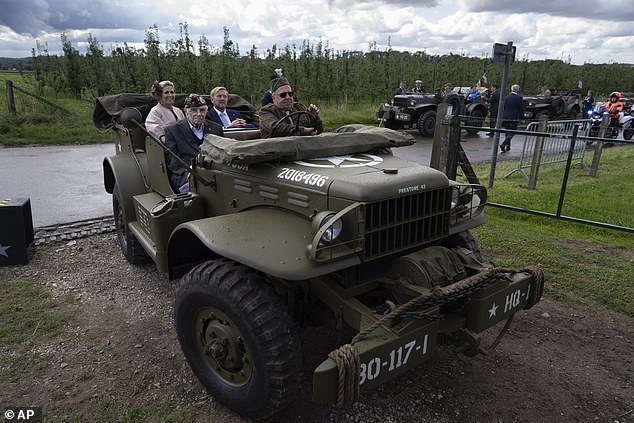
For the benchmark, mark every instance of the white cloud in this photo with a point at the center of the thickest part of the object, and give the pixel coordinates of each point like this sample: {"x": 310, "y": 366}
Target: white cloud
{"x": 592, "y": 30}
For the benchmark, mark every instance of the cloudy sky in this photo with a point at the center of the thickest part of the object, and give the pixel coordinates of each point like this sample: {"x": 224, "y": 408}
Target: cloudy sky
{"x": 595, "y": 31}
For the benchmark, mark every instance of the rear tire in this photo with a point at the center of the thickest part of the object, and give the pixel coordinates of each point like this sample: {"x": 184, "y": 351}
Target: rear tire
{"x": 627, "y": 134}
{"x": 238, "y": 338}
{"x": 131, "y": 248}
{"x": 427, "y": 123}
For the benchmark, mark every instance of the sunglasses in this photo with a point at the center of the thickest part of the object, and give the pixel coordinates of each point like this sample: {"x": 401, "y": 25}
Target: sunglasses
{"x": 285, "y": 94}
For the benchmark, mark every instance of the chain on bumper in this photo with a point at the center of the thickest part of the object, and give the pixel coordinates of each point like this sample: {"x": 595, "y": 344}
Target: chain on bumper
{"x": 347, "y": 356}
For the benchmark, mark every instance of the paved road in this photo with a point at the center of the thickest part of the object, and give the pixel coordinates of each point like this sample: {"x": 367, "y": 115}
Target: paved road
{"x": 65, "y": 183}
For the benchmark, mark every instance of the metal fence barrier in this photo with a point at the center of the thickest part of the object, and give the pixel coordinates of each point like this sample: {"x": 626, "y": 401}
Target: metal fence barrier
{"x": 555, "y": 149}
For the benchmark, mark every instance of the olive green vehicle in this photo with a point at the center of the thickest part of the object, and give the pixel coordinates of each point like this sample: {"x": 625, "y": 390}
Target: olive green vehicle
{"x": 562, "y": 104}
{"x": 278, "y": 232}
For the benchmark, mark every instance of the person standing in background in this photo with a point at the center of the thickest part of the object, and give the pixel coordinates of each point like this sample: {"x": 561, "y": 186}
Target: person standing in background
{"x": 494, "y": 103}
{"x": 513, "y": 112}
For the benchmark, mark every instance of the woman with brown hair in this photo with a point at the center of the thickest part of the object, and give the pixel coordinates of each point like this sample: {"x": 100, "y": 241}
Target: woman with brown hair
{"x": 164, "y": 113}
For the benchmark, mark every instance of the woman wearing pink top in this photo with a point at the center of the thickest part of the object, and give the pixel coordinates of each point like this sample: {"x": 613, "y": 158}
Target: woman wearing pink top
{"x": 164, "y": 113}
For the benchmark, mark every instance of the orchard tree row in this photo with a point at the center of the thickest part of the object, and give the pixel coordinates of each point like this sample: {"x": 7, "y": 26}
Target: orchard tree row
{"x": 317, "y": 72}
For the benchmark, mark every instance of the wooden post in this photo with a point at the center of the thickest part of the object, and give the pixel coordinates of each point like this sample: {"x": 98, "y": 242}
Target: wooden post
{"x": 537, "y": 154}
{"x": 10, "y": 99}
{"x": 441, "y": 146}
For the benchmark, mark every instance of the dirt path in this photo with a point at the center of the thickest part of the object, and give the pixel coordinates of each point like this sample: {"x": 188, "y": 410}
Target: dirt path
{"x": 120, "y": 361}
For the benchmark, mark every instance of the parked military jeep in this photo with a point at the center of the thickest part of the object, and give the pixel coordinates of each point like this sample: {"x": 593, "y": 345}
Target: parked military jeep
{"x": 275, "y": 232}
{"x": 419, "y": 110}
{"x": 561, "y": 104}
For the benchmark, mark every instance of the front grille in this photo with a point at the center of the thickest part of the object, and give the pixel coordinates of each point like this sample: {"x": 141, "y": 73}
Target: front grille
{"x": 402, "y": 102}
{"x": 401, "y": 223}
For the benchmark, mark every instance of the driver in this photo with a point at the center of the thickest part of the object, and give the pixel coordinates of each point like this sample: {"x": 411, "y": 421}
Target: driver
{"x": 283, "y": 104}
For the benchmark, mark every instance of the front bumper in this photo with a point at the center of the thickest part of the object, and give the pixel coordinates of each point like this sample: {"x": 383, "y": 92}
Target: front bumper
{"x": 387, "y": 352}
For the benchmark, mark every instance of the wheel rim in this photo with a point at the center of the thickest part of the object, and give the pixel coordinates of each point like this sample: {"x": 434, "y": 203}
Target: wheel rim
{"x": 222, "y": 347}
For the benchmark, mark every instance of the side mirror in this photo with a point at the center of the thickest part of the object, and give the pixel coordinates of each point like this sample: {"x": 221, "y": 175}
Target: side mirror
{"x": 130, "y": 117}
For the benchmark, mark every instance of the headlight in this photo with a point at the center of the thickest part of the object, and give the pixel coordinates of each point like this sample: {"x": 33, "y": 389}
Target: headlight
{"x": 412, "y": 103}
{"x": 333, "y": 229}
{"x": 467, "y": 200}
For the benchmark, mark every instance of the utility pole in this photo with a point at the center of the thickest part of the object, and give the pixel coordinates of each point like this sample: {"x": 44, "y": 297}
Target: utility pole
{"x": 501, "y": 53}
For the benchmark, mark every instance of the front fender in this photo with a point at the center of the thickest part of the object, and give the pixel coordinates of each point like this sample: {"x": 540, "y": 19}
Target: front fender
{"x": 124, "y": 170}
{"x": 273, "y": 241}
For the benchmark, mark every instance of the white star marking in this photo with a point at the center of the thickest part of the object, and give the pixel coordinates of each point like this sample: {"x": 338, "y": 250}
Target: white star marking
{"x": 352, "y": 160}
{"x": 492, "y": 310}
{"x": 3, "y": 250}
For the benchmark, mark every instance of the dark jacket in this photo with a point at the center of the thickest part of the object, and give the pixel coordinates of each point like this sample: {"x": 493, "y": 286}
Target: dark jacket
{"x": 180, "y": 139}
{"x": 494, "y": 102}
{"x": 513, "y": 107}
{"x": 212, "y": 115}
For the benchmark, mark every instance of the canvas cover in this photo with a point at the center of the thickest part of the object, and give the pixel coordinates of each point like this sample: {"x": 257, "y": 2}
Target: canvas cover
{"x": 108, "y": 108}
{"x": 348, "y": 139}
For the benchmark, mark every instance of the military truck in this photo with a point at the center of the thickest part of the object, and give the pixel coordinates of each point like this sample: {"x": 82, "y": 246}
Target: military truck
{"x": 278, "y": 232}
{"x": 419, "y": 110}
{"x": 560, "y": 104}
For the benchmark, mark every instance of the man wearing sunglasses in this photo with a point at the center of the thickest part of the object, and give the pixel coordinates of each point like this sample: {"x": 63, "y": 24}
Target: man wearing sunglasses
{"x": 284, "y": 104}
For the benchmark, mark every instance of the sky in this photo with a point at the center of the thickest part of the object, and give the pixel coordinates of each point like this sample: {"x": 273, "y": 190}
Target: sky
{"x": 581, "y": 31}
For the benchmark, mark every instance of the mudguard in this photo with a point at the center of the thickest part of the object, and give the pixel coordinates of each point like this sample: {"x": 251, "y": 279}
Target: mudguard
{"x": 124, "y": 170}
{"x": 270, "y": 240}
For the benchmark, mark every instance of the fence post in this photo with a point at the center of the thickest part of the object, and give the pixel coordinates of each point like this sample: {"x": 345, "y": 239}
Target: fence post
{"x": 537, "y": 154}
{"x": 596, "y": 157}
{"x": 10, "y": 99}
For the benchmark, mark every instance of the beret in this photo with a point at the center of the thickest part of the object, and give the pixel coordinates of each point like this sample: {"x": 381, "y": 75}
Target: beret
{"x": 277, "y": 83}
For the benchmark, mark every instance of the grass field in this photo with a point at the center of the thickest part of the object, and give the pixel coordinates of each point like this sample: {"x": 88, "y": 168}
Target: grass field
{"x": 584, "y": 264}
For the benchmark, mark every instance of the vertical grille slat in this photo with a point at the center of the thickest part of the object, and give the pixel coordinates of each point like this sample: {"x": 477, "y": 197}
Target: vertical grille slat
{"x": 404, "y": 222}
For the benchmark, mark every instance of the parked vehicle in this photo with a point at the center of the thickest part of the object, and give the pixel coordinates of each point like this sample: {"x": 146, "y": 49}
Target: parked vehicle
{"x": 328, "y": 228}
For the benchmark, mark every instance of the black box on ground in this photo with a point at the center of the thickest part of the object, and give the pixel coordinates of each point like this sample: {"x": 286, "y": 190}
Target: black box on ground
{"x": 16, "y": 231}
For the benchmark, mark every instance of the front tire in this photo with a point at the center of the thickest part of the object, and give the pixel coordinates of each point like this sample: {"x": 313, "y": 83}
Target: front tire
{"x": 476, "y": 118}
{"x": 238, "y": 338}
{"x": 427, "y": 123}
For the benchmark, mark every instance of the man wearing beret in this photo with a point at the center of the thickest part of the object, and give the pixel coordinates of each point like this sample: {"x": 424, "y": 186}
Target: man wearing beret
{"x": 185, "y": 138}
{"x": 284, "y": 104}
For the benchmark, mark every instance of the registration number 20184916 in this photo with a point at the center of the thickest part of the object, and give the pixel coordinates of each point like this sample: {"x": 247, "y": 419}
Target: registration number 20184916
{"x": 398, "y": 357}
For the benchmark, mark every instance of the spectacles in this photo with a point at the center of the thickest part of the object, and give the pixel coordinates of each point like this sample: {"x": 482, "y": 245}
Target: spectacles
{"x": 285, "y": 93}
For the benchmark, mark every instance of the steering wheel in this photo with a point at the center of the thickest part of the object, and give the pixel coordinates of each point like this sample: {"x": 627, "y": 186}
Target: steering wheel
{"x": 296, "y": 130}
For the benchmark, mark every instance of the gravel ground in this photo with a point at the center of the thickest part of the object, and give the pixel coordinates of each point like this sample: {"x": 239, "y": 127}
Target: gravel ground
{"x": 120, "y": 353}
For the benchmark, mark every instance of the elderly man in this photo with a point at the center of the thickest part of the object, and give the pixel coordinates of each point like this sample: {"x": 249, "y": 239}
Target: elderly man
{"x": 219, "y": 113}
{"x": 185, "y": 137}
{"x": 283, "y": 105}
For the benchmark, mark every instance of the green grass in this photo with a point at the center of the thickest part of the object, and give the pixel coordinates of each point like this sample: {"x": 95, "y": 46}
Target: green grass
{"x": 27, "y": 311}
{"x": 584, "y": 265}
{"x": 39, "y": 123}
